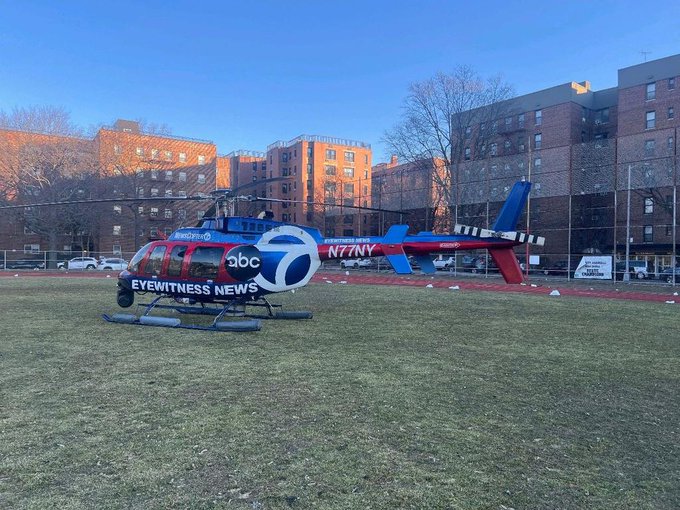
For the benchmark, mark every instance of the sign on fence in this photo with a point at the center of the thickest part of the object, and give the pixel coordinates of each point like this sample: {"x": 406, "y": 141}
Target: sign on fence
{"x": 594, "y": 267}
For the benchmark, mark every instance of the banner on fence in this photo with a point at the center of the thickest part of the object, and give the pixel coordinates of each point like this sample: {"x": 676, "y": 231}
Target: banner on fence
{"x": 594, "y": 267}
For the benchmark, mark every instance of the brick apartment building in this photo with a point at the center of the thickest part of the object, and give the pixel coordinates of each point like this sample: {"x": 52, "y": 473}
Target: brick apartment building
{"x": 585, "y": 151}
{"x": 308, "y": 170}
{"x": 126, "y": 163}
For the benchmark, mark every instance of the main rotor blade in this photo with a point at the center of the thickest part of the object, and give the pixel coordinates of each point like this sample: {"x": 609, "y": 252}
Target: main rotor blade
{"x": 108, "y": 200}
{"x": 498, "y": 234}
{"x": 283, "y": 200}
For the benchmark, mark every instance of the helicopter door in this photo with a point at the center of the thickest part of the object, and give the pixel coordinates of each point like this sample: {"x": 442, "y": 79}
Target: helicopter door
{"x": 154, "y": 263}
{"x": 177, "y": 257}
{"x": 205, "y": 262}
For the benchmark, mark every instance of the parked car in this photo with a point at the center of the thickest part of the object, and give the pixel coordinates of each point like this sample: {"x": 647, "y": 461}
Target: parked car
{"x": 667, "y": 274}
{"x": 636, "y": 268}
{"x": 79, "y": 263}
{"x": 25, "y": 264}
{"x": 112, "y": 264}
{"x": 560, "y": 267}
{"x": 473, "y": 264}
{"x": 355, "y": 263}
{"x": 443, "y": 263}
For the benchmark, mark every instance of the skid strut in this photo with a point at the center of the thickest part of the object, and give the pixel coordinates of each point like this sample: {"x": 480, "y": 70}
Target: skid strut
{"x": 220, "y": 312}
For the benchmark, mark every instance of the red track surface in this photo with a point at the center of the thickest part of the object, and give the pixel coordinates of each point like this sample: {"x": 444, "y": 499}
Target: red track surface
{"x": 442, "y": 281}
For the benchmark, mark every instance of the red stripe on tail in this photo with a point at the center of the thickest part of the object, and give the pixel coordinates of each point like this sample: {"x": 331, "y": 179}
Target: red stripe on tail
{"x": 507, "y": 262}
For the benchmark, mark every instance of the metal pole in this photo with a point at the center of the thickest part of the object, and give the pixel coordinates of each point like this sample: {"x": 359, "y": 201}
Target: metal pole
{"x": 675, "y": 202}
{"x": 626, "y": 275}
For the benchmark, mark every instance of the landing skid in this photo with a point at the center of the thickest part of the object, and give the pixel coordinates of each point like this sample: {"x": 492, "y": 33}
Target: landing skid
{"x": 252, "y": 322}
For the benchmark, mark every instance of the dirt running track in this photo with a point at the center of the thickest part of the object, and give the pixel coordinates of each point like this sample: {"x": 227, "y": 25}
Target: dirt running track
{"x": 444, "y": 281}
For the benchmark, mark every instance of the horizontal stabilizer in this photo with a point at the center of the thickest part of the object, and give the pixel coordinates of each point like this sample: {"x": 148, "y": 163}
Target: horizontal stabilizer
{"x": 519, "y": 237}
{"x": 426, "y": 264}
{"x": 393, "y": 249}
{"x": 399, "y": 263}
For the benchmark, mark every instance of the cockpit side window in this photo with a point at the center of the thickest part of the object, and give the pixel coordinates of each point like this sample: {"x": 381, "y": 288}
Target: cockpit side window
{"x": 176, "y": 260}
{"x": 205, "y": 262}
{"x": 155, "y": 261}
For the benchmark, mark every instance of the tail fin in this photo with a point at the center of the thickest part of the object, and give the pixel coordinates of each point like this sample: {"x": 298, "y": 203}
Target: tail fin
{"x": 513, "y": 206}
{"x": 505, "y": 258}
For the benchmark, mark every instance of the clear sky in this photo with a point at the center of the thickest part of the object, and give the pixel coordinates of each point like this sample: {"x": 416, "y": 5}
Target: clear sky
{"x": 247, "y": 73}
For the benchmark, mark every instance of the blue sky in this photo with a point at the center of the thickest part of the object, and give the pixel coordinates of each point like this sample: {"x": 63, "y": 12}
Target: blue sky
{"x": 245, "y": 74}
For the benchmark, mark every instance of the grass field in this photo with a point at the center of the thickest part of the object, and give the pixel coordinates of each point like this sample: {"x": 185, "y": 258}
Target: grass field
{"x": 389, "y": 398}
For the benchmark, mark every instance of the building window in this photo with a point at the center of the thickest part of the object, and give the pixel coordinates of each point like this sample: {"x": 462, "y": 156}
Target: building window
{"x": 494, "y": 149}
{"x": 349, "y": 156}
{"x": 254, "y": 178}
{"x": 154, "y": 212}
{"x": 154, "y": 153}
{"x": 651, "y": 91}
{"x": 200, "y": 214}
{"x": 182, "y": 177}
{"x": 167, "y": 231}
{"x": 168, "y": 192}
{"x": 330, "y": 154}
{"x": 181, "y": 193}
{"x": 649, "y": 147}
{"x": 201, "y": 160}
{"x": 117, "y": 209}
{"x": 153, "y": 232}
{"x": 116, "y": 230}
{"x": 349, "y": 172}
{"x": 537, "y": 140}
{"x": 168, "y": 175}
{"x": 201, "y": 178}
{"x": 468, "y": 132}
{"x": 649, "y": 205}
{"x": 671, "y": 112}
{"x": 139, "y": 151}
{"x": 467, "y": 153}
{"x": 309, "y": 151}
{"x": 669, "y": 143}
{"x": 309, "y": 169}
{"x": 507, "y": 145}
{"x": 168, "y": 156}
{"x": 167, "y": 214}
{"x": 349, "y": 188}
{"x": 602, "y": 116}
{"x": 182, "y": 157}
{"x": 520, "y": 120}
{"x": 537, "y": 163}
{"x": 154, "y": 192}
{"x": 671, "y": 83}
{"x": 31, "y": 248}
{"x": 182, "y": 214}
{"x": 365, "y": 174}
{"x": 116, "y": 249}
{"x": 117, "y": 150}
{"x": 154, "y": 174}
{"x": 648, "y": 234}
{"x": 538, "y": 115}
{"x": 140, "y": 210}
{"x": 650, "y": 120}
{"x": 330, "y": 169}
{"x": 508, "y": 122}
{"x": 284, "y": 157}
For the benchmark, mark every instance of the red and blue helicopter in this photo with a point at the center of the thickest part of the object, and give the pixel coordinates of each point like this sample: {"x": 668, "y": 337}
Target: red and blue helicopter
{"x": 235, "y": 262}
{"x": 229, "y": 263}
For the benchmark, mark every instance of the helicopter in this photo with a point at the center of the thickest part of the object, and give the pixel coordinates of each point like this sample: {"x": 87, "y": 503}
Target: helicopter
{"x": 229, "y": 264}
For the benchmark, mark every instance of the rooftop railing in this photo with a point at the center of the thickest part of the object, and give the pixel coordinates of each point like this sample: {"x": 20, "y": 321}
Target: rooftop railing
{"x": 318, "y": 138}
{"x": 172, "y": 137}
{"x": 243, "y": 152}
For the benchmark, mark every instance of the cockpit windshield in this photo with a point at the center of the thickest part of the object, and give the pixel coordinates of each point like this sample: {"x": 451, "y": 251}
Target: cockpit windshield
{"x": 134, "y": 263}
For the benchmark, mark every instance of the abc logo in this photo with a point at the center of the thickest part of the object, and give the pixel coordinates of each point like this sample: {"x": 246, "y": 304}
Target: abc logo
{"x": 244, "y": 262}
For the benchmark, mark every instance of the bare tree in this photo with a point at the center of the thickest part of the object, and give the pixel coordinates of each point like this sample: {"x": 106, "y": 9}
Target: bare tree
{"x": 449, "y": 118}
{"x": 43, "y": 159}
